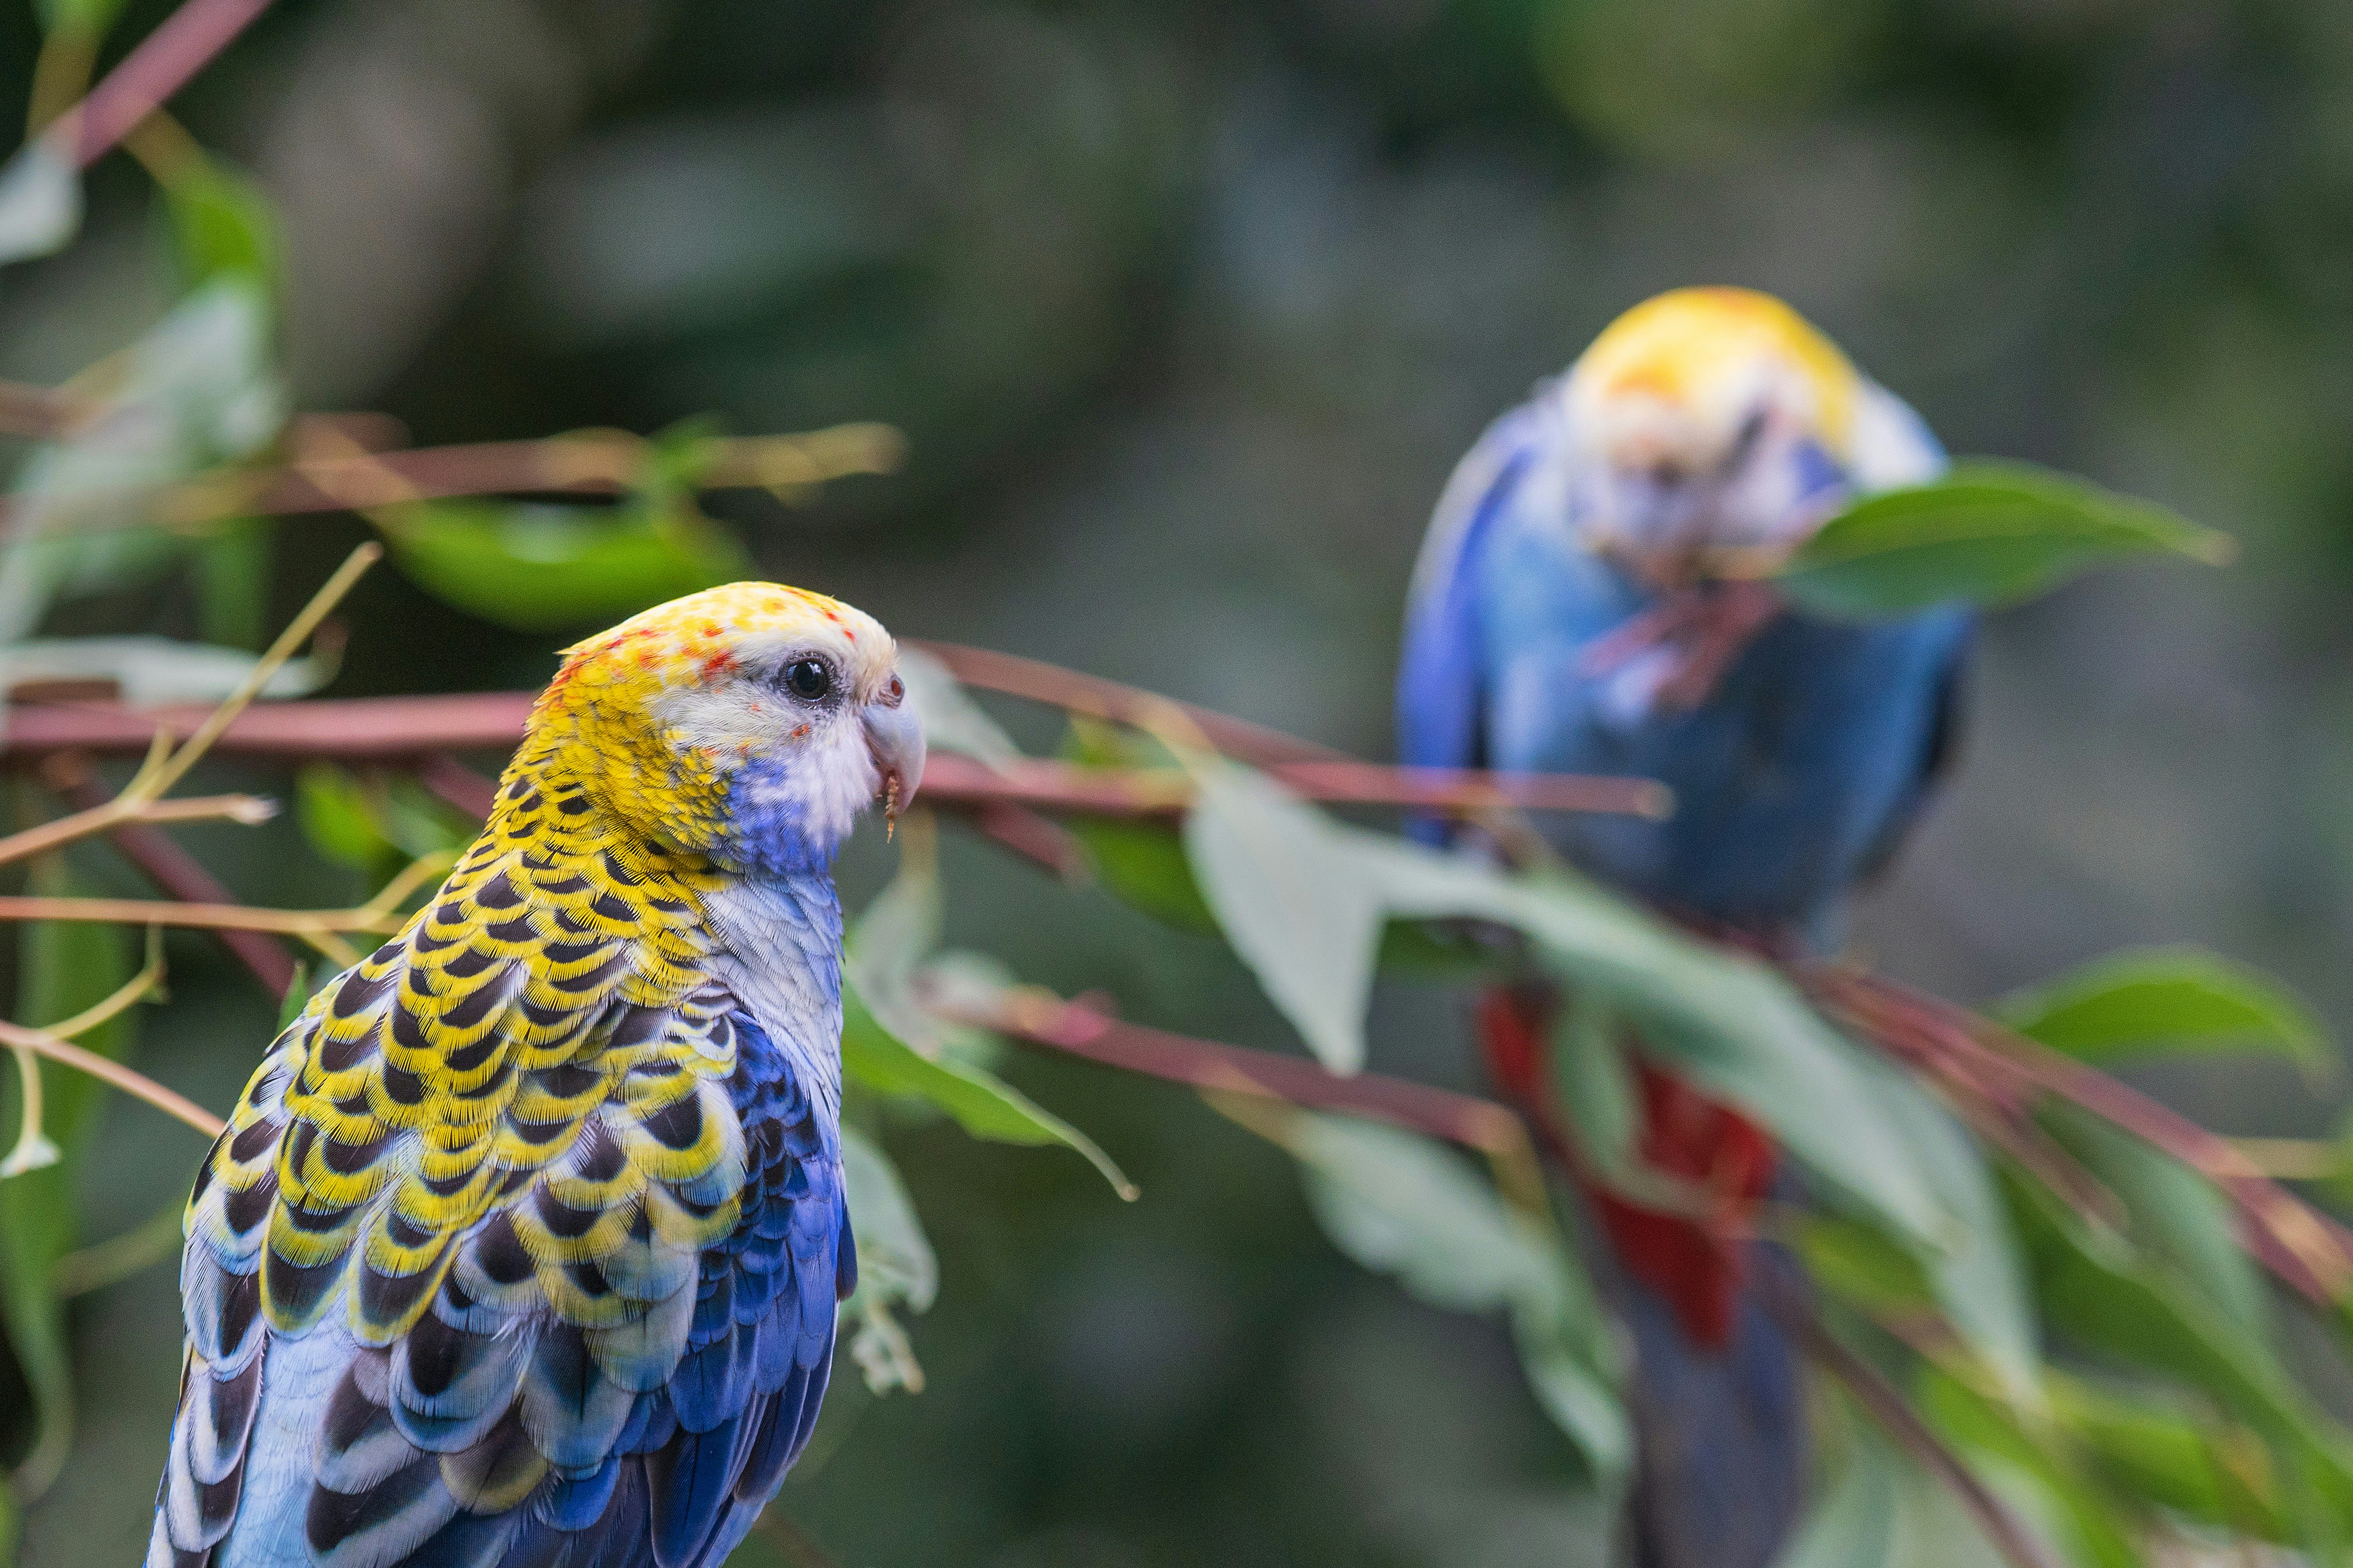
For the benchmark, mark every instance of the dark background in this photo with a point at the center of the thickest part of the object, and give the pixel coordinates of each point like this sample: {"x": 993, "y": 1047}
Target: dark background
{"x": 1188, "y": 310}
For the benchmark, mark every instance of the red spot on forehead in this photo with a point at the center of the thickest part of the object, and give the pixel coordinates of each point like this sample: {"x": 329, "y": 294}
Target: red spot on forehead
{"x": 719, "y": 664}
{"x": 710, "y": 628}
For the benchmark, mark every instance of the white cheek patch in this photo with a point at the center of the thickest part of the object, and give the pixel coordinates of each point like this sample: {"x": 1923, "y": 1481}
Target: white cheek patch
{"x": 790, "y": 807}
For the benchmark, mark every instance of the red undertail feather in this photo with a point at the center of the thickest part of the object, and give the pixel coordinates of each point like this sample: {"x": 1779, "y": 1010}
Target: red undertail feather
{"x": 1694, "y": 1263}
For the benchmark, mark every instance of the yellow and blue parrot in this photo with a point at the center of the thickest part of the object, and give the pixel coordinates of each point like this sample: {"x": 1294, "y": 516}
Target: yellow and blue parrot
{"x": 524, "y": 1244}
{"x": 1590, "y": 599}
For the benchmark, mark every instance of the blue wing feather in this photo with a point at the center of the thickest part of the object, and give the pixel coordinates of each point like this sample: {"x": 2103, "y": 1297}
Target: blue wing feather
{"x": 473, "y": 1442}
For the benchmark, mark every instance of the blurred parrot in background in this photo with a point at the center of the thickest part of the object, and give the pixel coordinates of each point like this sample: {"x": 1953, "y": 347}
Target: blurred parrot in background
{"x": 1590, "y": 599}
{"x": 524, "y": 1244}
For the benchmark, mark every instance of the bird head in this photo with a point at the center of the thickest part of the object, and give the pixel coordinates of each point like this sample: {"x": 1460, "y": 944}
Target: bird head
{"x": 1708, "y": 425}
{"x": 750, "y": 724}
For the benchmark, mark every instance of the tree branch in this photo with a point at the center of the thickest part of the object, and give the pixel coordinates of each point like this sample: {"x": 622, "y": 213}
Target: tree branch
{"x": 162, "y": 65}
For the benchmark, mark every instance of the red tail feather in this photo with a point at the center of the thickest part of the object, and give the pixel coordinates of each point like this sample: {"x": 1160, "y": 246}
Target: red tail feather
{"x": 1694, "y": 1263}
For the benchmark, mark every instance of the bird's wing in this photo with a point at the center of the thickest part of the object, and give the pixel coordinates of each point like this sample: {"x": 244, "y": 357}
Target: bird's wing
{"x": 499, "y": 1262}
{"x": 1438, "y": 695}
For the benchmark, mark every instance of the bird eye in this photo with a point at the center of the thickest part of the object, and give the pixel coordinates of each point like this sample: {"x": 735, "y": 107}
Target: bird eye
{"x": 808, "y": 679}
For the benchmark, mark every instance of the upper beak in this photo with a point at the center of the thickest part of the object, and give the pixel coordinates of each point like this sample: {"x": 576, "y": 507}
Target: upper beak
{"x": 895, "y": 736}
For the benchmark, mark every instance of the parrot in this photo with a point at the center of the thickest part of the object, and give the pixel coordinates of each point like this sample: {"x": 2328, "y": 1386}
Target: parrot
{"x": 1592, "y": 597}
{"x": 522, "y": 1246}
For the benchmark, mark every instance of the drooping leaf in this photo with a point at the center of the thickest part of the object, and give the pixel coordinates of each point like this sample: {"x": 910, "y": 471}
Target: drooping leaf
{"x": 1989, "y": 534}
{"x": 979, "y": 1102}
{"x": 1144, "y": 864}
{"x": 2176, "y": 1215}
{"x": 1303, "y": 900}
{"x": 538, "y": 567}
{"x": 2098, "y": 1290}
{"x": 197, "y": 391}
{"x": 2168, "y": 1001}
{"x": 1976, "y": 1270}
{"x": 1403, "y": 1206}
{"x": 952, "y": 721}
{"x": 64, "y": 969}
{"x": 2093, "y": 1524}
{"x": 1300, "y": 905}
{"x": 896, "y": 1265}
{"x": 41, "y": 201}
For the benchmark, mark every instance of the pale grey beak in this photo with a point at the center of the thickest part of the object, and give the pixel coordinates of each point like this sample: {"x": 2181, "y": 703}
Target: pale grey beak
{"x": 895, "y": 736}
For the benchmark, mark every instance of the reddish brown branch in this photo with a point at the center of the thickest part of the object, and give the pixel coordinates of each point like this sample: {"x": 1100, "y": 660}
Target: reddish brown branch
{"x": 1039, "y": 1019}
{"x": 412, "y": 729}
{"x": 160, "y": 66}
{"x": 177, "y": 874}
{"x": 1100, "y": 698}
{"x": 2311, "y": 1254}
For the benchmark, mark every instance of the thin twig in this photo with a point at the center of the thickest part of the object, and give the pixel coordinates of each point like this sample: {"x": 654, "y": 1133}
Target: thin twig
{"x": 138, "y": 801}
{"x": 1038, "y": 1017}
{"x": 136, "y": 1084}
{"x": 298, "y": 631}
{"x": 607, "y": 462}
{"x": 305, "y": 923}
{"x": 175, "y": 873}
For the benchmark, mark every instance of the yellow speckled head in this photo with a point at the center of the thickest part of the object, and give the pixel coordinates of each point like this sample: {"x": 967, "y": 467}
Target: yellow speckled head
{"x": 1706, "y": 421}
{"x": 750, "y": 722}
{"x": 1682, "y": 371}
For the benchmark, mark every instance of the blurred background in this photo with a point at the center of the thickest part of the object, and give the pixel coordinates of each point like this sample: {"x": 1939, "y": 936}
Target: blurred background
{"x": 1187, "y": 309}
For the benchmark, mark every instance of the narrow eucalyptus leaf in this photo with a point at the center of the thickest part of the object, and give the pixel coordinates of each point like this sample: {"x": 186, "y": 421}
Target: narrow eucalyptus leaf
{"x": 1987, "y": 534}
{"x": 2168, "y": 1001}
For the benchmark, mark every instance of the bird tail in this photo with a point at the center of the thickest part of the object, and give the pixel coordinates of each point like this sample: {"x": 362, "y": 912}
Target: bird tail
{"x": 1719, "y": 1406}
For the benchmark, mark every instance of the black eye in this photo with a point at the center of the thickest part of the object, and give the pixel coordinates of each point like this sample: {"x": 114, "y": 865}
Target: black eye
{"x": 808, "y": 679}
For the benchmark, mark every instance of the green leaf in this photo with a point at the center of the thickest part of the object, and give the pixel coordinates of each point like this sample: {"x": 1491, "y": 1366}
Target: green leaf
{"x": 1302, "y": 907}
{"x": 536, "y": 568}
{"x": 2177, "y": 1217}
{"x": 1593, "y": 1084}
{"x": 341, "y": 817}
{"x": 1978, "y": 1274}
{"x": 1409, "y": 1208}
{"x": 896, "y": 1265}
{"x": 952, "y": 721}
{"x": 2083, "y": 1514}
{"x": 232, "y": 576}
{"x": 1305, "y": 899}
{"x": 2168, "y": 1001}
{"x": 41, "y": 201}
{"x": 1989, "y": 534}
{"x": 1861, "y": 1264}
{"x": 222, "y": 224}
{"x": 1144, "y": 864}
{"x": 199, "y": 391}
{"x": 91, "y": 18}
{"x": 981, "y": 1104}
{"x": 64, "y": 968}
{"x": 2158, "y": 1452}
{"x": 2098, "y": 1289}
